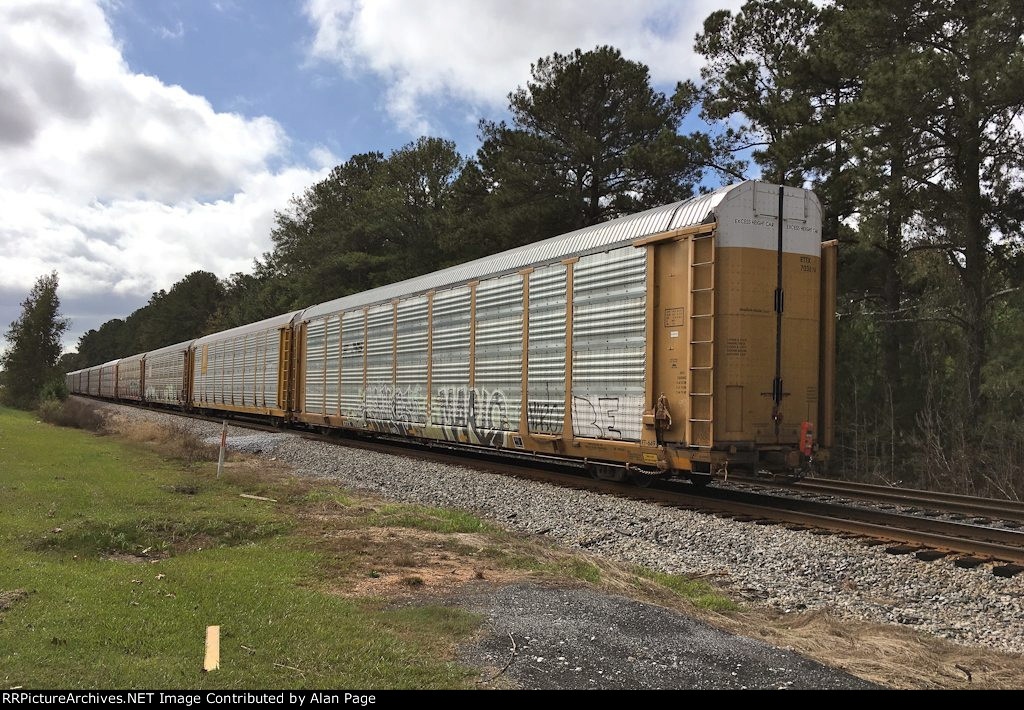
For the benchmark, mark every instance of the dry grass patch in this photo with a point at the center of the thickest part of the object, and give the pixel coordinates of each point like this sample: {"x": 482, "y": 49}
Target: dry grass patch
{"x": 72, "y": 412}
{"x": 175, "y": 440}
{"x": 9, "y": 599}
{"x": 380, "y": 562}
{"x": 882, "y": 653}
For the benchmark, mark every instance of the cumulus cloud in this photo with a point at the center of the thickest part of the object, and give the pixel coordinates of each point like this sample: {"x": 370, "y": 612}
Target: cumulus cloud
{"x": 479, "y": 50}
{"x": 122, "y": 183}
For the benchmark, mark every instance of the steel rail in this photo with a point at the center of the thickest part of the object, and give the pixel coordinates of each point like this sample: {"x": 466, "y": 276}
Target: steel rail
{"x": 971, "y": 506}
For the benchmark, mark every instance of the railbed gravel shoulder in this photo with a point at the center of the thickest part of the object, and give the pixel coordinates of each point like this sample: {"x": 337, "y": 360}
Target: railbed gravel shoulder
{"x": 785, "y": 569}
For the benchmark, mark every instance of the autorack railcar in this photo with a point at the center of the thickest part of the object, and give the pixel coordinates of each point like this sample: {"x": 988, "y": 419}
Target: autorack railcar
{"x": 166, "y": 375}
{"x": 688, "y": 338}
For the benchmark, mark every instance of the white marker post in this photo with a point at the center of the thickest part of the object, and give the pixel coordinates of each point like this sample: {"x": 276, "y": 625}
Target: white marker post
{"x": 223, "y": 447}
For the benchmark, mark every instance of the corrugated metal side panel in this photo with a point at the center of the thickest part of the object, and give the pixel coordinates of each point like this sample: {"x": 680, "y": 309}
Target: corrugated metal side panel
{"x": 237, "y": 369}
{"x": 272, "y": 363}
{"x": 608, "y": 344}
{"x": 411, "y": 351}
{"x": 498, "y": 376}
{"x": 450, "y": 357}
{"x": 316, "y": 332}
{"x": 129, "y": 374}
{"x": 215, "y": 372}
{"x": 107, "y": 381}
{"x": 353, "y": 349}
{"x": 254, "y": 381}
{"x": 249, "y": 380}
{"x": 165, "y": 377}
{"x": 380, "y": 380}
{"x": 331, "y": 363}
{"x": 94, "y": 381}
{"x": 241, "y": 370}
{"x": 545, "y": 410}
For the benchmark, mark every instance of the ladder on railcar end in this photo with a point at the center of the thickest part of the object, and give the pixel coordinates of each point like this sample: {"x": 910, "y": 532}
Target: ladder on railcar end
{"x": 286, "y": 368}
{"x": 701, "y": 390}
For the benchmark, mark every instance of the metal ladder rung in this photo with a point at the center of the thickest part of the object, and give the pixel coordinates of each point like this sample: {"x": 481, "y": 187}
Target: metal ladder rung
{"x": 702, "y": 263}
{"x": 701, "y": 342}
{"x": 701, "y": 421}
{"x": 702, "y": 290}
{"x": 703, "y": 367}
{"x": 702, "y": 394}
{"x": 702, "y": 315}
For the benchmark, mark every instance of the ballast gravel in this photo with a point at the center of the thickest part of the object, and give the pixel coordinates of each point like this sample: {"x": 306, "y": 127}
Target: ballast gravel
{"x": 787, "y": 570}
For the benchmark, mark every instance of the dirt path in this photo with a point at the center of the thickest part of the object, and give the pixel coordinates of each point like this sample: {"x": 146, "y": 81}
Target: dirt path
{"x": 584, "y": 638}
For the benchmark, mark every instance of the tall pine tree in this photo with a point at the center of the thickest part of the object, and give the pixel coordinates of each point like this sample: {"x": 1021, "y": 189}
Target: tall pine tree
{"x": 34, "y": 345}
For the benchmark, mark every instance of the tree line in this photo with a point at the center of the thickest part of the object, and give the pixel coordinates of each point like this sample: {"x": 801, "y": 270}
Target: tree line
{"x": 905, "y": 118}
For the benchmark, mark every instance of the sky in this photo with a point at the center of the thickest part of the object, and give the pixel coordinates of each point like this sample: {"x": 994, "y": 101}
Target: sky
{"x": 140, "y": 140}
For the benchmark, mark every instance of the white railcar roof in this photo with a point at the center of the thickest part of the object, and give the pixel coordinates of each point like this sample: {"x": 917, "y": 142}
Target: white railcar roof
{"x": 596, "y": 238}
{"x": 274, "y": 322}
{"x": 183, "y": 346}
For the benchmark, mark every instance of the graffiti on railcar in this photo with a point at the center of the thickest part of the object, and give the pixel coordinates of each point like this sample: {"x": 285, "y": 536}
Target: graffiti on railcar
{"x": 544, "y": 417}
{"x": 450, "y": 406}
{"x": 386, "y": 402}
{"x": 479, "y": 414}
{"x": 606, "y": 417}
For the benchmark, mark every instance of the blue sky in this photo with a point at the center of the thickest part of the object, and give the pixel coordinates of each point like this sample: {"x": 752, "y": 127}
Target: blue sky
{"x": 140, "y": 140}
{"x": 252, "y": 58}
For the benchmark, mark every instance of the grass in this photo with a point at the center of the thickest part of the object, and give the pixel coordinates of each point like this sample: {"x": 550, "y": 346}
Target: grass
{"x": 122, "y": 548}
{"x": 420, "y": 517}
{"x": 117, "y": 551}
{"x": 116, "y": 559}
{"x": 701, "y": 594}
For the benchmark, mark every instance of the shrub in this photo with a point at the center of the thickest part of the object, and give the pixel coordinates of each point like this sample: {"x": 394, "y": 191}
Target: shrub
{"x": 71, "y": 413}
{"x": 55, "y": 389}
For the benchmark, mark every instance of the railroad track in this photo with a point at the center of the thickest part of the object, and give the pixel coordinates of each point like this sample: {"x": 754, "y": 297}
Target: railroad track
{"x": 969, "y": 543}
{"x": 951, "y": 504}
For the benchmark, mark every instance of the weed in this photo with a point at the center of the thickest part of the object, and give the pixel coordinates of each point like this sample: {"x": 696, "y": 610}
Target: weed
{"x": 700, "y": 593}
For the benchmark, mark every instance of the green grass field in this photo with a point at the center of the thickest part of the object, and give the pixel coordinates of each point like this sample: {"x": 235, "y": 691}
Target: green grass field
{"x": 114, "y": 559}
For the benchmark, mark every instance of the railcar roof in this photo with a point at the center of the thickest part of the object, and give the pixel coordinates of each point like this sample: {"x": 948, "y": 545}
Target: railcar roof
{"x": 170, "y": 348}
{"x": 275, "y": 322}
{"x": 596, "y": 238}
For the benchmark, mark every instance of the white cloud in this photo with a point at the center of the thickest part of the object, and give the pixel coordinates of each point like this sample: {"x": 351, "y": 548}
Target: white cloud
{"x": 122, "y": 183}
{"x": 479, "y": 50}
{"x": 176, "y": 33}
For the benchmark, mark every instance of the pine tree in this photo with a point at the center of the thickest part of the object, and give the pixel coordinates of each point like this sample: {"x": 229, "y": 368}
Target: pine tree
{"x": 33, "y": 344}
{"x": 751, "y": 71}
{"x": 590, "y": 139}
